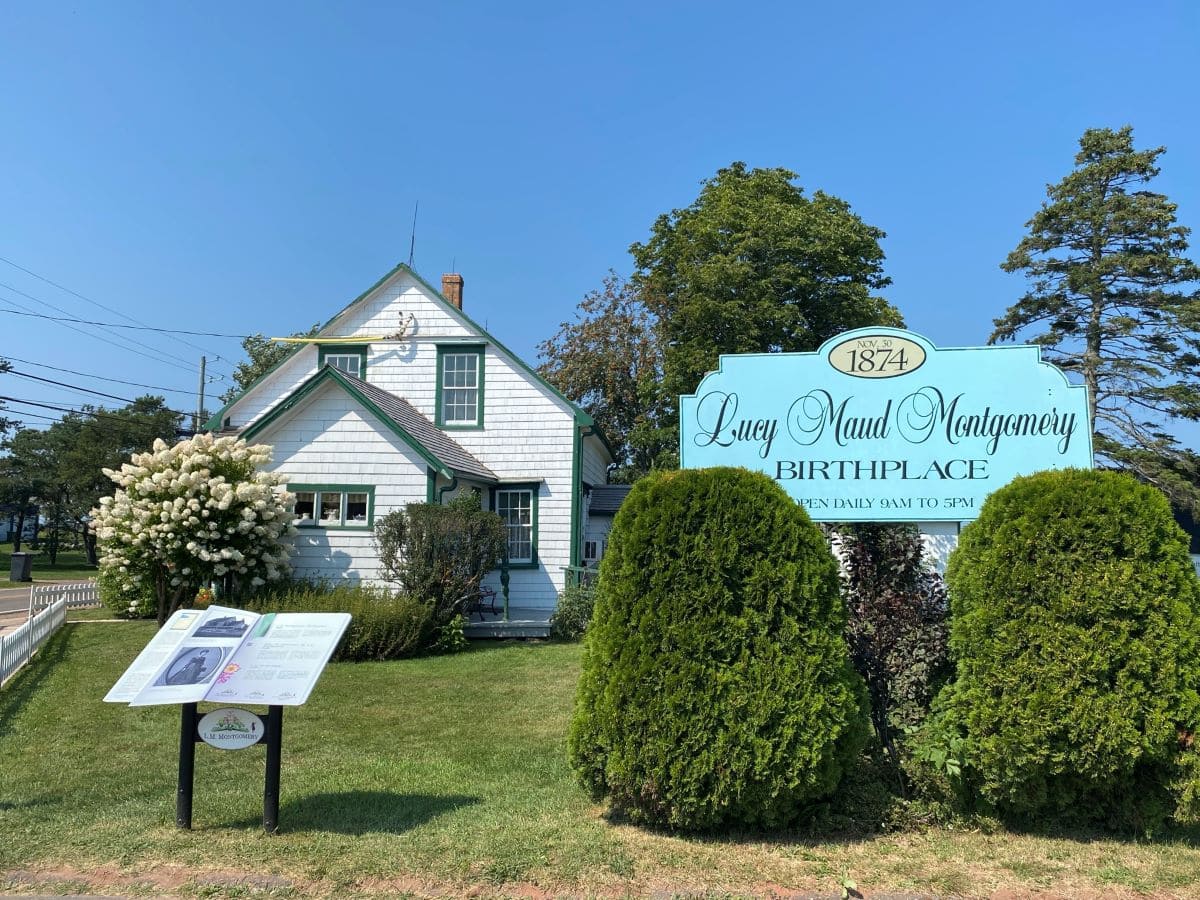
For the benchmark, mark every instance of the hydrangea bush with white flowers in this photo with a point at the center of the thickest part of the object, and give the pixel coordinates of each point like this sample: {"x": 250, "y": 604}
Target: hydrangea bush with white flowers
{"x": 188, "y": 515}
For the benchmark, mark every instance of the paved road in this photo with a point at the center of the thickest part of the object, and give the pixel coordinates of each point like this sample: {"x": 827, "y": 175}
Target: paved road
{"x": 18, "y": 597}
{"x": 13, "y": 599}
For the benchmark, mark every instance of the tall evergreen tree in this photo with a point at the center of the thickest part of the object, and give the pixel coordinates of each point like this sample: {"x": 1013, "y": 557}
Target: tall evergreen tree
{"x": 1113, "y": 299}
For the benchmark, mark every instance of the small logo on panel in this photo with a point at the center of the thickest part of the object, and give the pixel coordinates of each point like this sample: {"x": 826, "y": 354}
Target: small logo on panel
{"x": 230, "y": 728}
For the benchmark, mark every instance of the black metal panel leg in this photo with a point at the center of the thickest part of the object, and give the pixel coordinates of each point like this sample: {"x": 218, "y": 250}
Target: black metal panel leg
{"x": 187, "y": 765}
{"x": 274, "y": 748}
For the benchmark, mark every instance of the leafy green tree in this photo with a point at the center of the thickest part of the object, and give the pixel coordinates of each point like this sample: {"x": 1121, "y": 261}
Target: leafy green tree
{"x": 1112, "y": 299}
{"x": 25, "y": 474}
{"x": 61, "y": 467}
{"x": 608, "y": 360}
{"x": 754, "y": 266}
{"x": 100, "y": 439}
{"x": 263, "y": 355}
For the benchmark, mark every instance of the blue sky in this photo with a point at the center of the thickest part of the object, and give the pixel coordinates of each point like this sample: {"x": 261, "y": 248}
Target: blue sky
{"x": 251, "y": 167}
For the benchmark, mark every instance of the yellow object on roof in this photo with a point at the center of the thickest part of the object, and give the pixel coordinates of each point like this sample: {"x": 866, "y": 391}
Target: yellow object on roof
{"x": 356, "y": 339}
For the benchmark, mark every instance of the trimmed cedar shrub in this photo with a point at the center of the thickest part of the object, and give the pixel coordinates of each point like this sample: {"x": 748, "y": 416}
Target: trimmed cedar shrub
{"x": 716, "y": 688}
{"x": 1075, "y": 633}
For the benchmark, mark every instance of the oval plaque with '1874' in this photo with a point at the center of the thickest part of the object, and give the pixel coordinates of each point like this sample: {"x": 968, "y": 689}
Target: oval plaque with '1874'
{"x": 230, "y": 728}
{"x": 877, "y": 356}
{"x": 879, "y": 425}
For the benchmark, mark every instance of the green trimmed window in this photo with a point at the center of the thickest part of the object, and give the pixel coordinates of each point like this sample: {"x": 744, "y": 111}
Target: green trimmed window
{"x": 333, "y": 505}
{"x": 517, "y": 507}
{"x": 460, "y": 386}
{"x": 348, "y": 358}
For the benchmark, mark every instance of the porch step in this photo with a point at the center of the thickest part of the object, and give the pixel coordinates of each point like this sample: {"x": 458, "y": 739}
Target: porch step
{"x": 523, "y": 622}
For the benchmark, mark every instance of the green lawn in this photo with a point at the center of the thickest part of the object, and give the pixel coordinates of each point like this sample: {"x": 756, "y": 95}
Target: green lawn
{"x": 71, "y": 565}
{"x": 427, "y": 776}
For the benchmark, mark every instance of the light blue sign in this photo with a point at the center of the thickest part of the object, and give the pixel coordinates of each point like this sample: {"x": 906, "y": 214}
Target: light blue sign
{"x": 879, "y": 425}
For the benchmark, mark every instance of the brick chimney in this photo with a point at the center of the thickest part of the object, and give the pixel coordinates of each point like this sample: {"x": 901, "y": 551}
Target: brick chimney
{"x": 452, "y": 287}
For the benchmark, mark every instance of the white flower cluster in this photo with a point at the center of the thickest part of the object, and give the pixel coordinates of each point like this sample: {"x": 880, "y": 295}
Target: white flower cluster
{"x": 185, "y": 515}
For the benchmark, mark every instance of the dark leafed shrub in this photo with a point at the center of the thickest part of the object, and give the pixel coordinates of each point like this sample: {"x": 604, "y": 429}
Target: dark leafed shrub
{"x": 383, "y": 625}
{"x": 440, "y": 554}
{"x": 1077, "y": 645}
{"x": 575, "y": 605}
{"x": 716, "y": 688}
{"x": 898, "y": 626}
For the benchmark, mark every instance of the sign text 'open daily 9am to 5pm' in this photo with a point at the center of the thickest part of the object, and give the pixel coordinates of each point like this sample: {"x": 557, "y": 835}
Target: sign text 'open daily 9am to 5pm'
{"x": 879, "y": 425}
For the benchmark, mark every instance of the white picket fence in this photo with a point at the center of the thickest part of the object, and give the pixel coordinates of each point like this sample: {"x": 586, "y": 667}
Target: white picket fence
{"x": 77, "y": 594}
{"x": 17, "y": 647}
{"x": 48, "y": 605}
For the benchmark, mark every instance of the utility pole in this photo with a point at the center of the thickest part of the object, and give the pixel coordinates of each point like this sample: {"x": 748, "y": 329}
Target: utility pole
{"x": 197, "y": 420}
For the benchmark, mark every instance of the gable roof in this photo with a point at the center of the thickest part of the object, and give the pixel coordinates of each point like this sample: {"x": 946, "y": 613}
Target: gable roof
{"x": 581, "y": 416}
{"x": 396, "y": 414}
{"x": 1191, "y": 527}
{"x": 607, "y": 498}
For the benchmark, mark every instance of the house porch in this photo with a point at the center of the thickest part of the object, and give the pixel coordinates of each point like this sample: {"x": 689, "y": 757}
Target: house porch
{"x": 523, "y": 622}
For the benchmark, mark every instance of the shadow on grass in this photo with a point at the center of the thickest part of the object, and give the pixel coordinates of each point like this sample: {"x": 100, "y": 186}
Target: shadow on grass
{"x": 864, "y": 807}
{"x": 363, "y": 812}
{"x": 46, "y": 800}
{"x": 822, "y": 832}
{"x": 1164, "y": 835}
{"x": 25, "y": 681}
{"x": 802, "y": 835}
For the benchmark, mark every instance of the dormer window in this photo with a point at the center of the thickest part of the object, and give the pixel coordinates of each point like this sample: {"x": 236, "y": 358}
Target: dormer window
{"x": 351, "y": 359}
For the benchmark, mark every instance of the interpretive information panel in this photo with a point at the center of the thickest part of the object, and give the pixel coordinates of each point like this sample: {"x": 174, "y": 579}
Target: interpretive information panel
{"x": 232, "y": 655}
{"x": 880, "y": 425}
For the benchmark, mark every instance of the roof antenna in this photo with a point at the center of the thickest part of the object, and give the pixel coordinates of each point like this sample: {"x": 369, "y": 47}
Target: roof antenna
{"x": 412, "y": 243}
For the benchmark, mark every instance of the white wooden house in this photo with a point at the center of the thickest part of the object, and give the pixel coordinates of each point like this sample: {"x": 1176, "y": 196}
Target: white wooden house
{"x": 603, "y": 501}
{"x": 408, "y": 400}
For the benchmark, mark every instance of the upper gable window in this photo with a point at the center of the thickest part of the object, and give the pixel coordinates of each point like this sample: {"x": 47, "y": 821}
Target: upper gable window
{"x": 460, "y": 386}
{"x": 351, "y": 359}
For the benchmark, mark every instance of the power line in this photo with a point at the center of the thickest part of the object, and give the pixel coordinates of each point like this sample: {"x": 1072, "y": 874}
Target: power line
{"x": 160, "y": 356}
{"x": 151, "y": 387}
{"x": 70, "y": 387}
{"x": 16, "y": 312}
{"x": 165, "y": 356}
{"x": 75, "y": 387}
{"x": 117, "y": 312}
{"x": 68, "y": 409}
